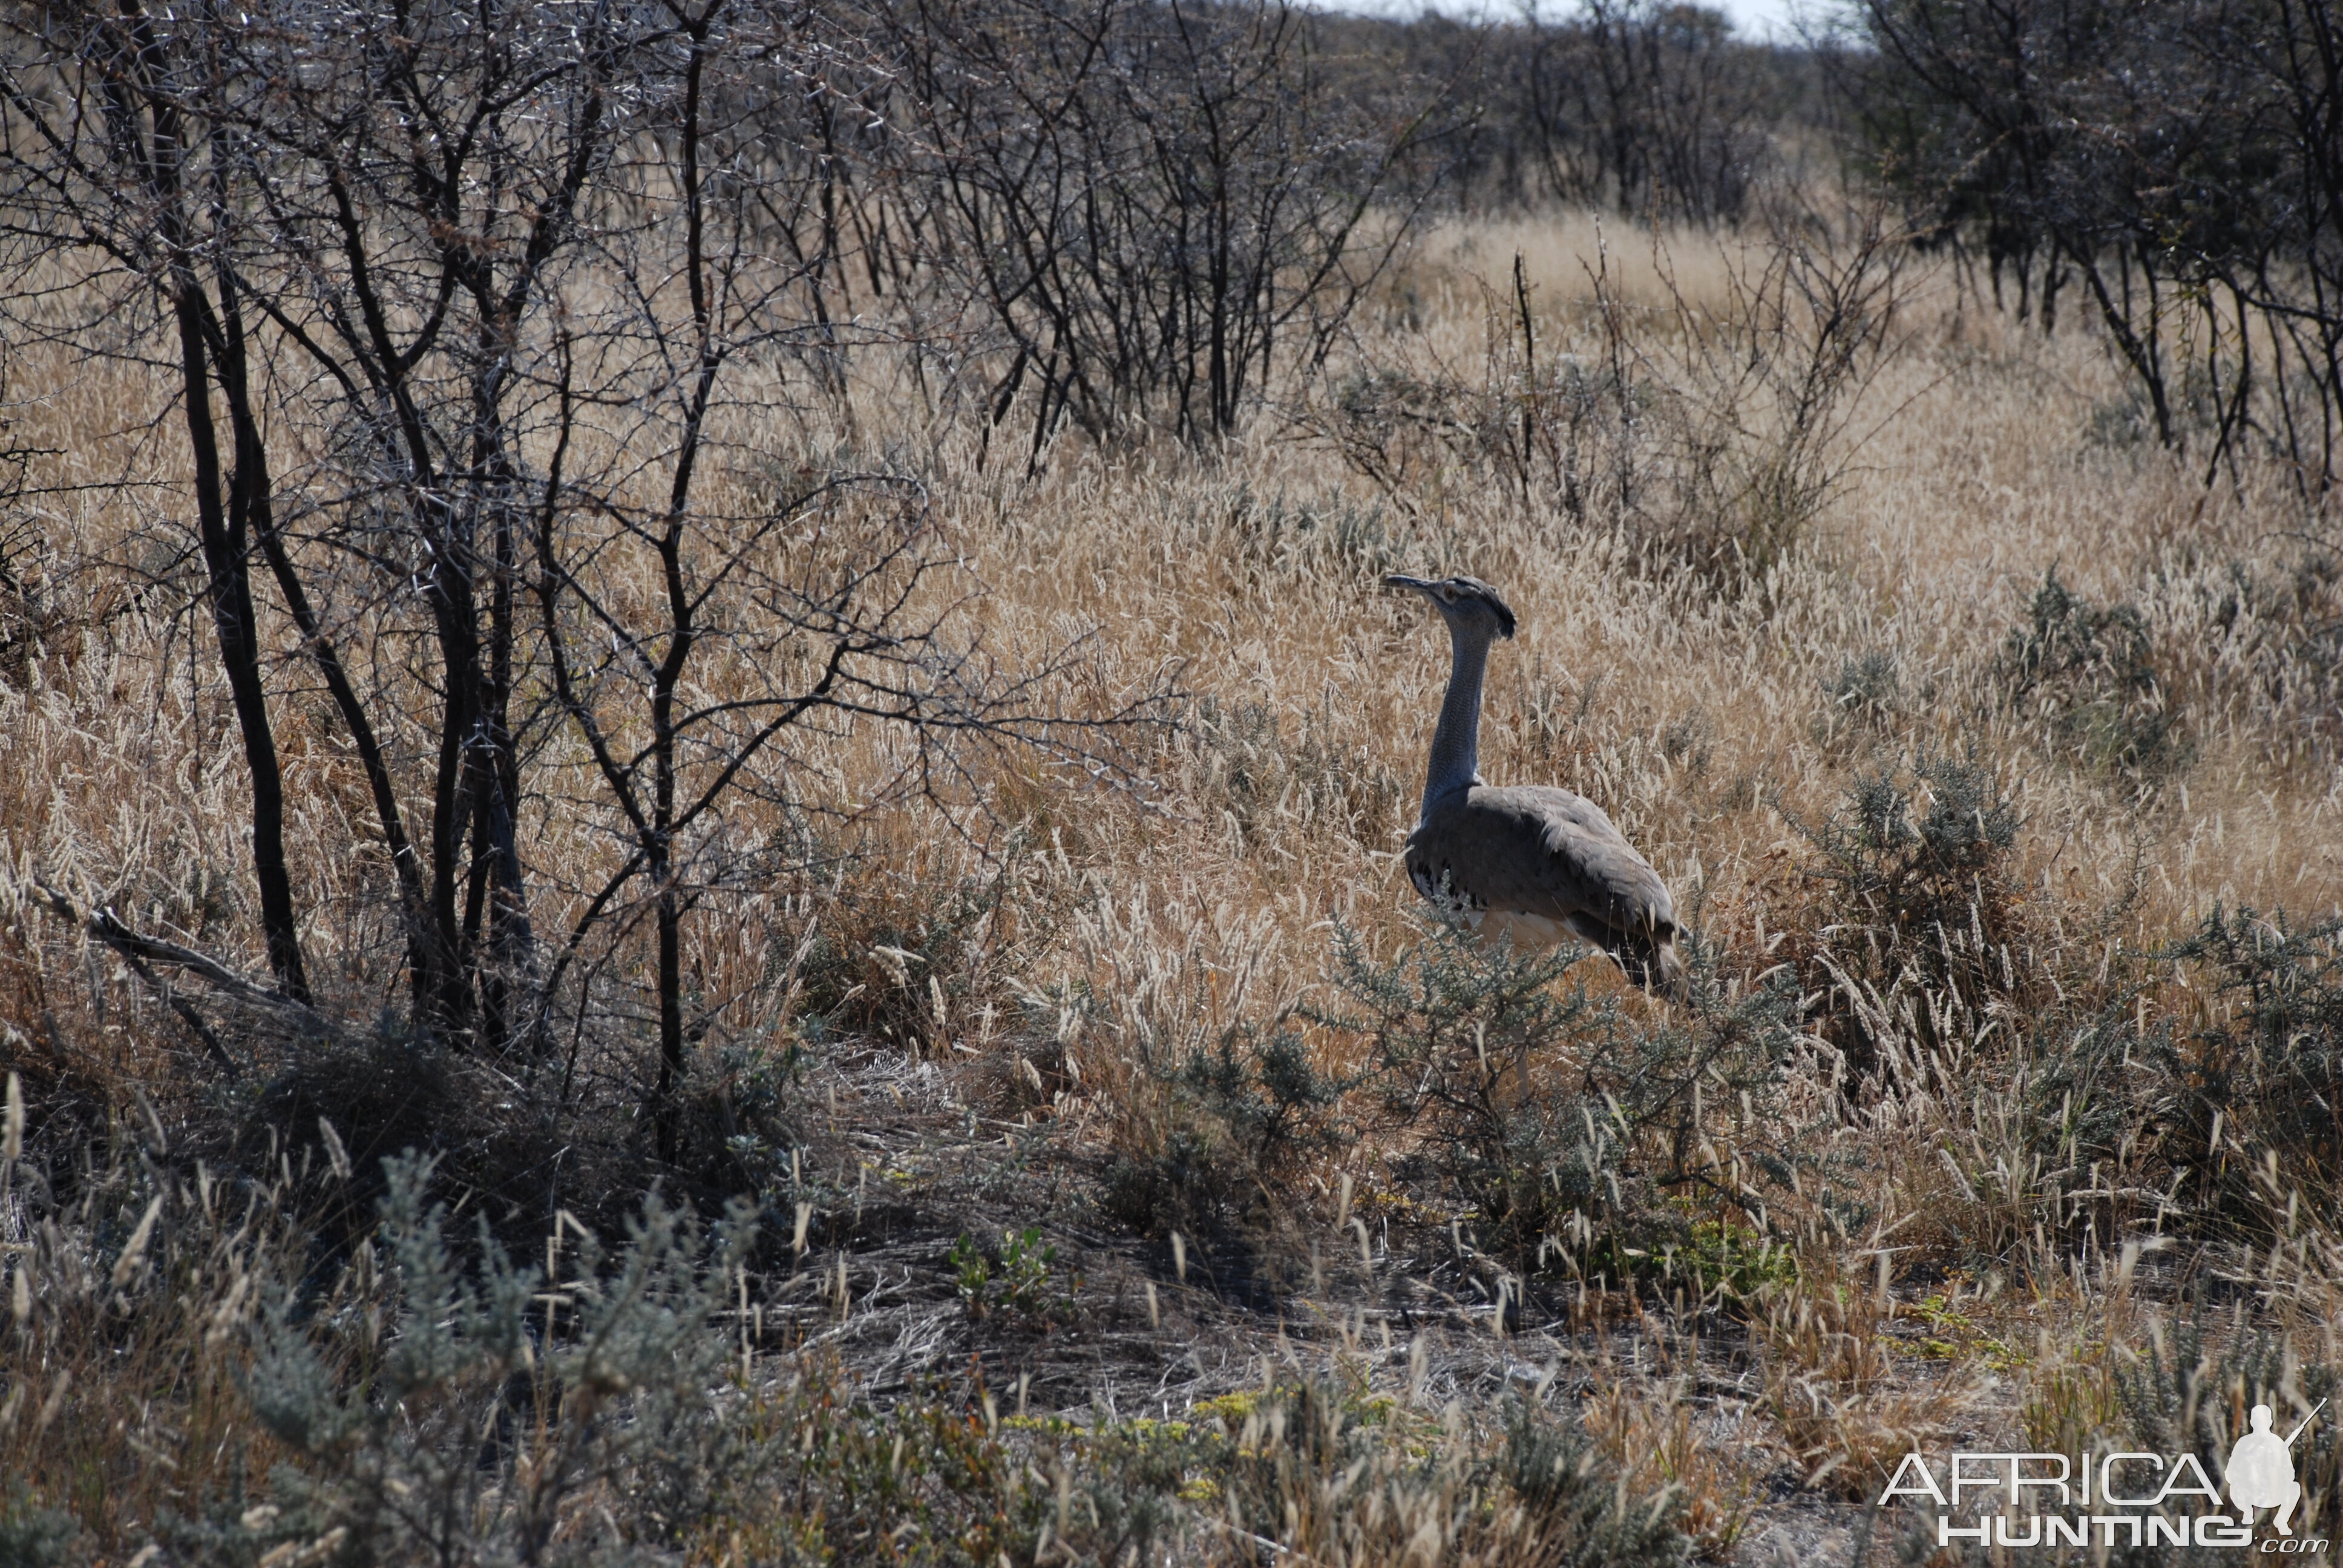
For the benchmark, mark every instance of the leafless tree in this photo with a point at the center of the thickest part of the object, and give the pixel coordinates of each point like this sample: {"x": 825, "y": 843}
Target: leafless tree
{"x": 109, "y": 154}
{"x": 2181, "y": 163}
{"x": 776, "y": 601}
{"x": 501, "y": 305}
{"x": 1652, "y": 108}
{"x": 1152, "y": 202}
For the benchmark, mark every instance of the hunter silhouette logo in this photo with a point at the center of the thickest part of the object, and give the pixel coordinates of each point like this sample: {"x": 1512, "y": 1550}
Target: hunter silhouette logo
{"x": 2261, "y": 1469}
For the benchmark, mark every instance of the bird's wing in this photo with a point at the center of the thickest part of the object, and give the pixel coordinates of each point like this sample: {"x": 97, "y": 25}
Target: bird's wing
{"x": 1536, "y": 850}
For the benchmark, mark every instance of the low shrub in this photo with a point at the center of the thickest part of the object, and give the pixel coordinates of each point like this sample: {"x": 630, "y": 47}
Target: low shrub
{"x": 1190, "y": 1184}
{"x": 1863, "y": 697}
{"x": 1462, "y": 1039}
{"x": 429, "y": 1408}
{"x": 1913, "y": 897}
{"x": 2084, "y": 674}
{"x": 2254, "y": 1093}
{"x": 1243, "y": 1117}
{"x": 32, "y": 1536}
{"x": 2189, "y": 1389}
{"x": 2272, "y": 648}
{"x": 1237, "y": 1125}
{"x": 2109, "y": 1119}
{"x": 1570, "y": 1133}
{"x": 1575, "y": 1511}
{"x": 1263, "y": 1086}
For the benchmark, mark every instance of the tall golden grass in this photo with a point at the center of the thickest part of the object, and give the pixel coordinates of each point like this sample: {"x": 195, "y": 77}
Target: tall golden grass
{"x": 1698, "y": 710}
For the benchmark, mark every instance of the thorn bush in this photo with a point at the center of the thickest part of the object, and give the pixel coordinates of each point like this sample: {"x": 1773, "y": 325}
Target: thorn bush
{"x": 1864, "y": 696}
{"x": 2086, "y": 673}
{"x": 1914, "y": 897}
{"x": 1249, "y": 1113}
{"x": 2266, "y": 1066}
{"x": 1561, "y": 1124}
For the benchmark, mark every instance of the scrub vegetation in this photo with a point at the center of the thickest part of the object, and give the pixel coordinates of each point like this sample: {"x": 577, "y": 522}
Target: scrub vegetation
{"x": 701, "y": 774}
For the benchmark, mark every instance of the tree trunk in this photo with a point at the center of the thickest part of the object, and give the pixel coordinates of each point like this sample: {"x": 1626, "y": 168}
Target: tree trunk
{"x": 227, "y": 560}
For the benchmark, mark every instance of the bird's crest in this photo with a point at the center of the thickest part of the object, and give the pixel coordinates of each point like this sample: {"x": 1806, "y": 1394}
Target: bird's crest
{"x": 1450, "y": 592}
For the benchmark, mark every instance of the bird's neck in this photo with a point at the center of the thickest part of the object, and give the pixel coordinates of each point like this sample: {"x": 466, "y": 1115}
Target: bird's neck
{"x": 1456, "y": 743}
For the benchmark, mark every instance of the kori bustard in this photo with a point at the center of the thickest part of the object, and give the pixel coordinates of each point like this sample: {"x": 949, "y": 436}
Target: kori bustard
{"x": 1527, "y": 861}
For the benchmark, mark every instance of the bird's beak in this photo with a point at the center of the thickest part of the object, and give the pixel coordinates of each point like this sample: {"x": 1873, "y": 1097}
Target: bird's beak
{"x": 1401, "y": 581}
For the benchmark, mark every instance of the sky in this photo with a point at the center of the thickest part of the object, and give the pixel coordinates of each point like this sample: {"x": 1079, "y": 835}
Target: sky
{"x": 1760, "y": 18}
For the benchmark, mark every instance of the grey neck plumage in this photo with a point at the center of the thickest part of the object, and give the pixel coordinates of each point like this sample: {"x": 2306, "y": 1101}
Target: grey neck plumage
{"x": 1456, "y": 743}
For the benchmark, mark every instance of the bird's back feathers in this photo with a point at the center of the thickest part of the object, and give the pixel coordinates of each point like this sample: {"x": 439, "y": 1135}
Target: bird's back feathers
{"x": 1539, "y": 855}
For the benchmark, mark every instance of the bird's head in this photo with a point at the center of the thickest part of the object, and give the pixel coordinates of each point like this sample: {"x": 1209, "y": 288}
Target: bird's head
{"x": 1467, "y": 604}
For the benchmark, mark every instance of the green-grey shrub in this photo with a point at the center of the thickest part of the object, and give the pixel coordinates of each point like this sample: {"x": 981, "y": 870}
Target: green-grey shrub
{"x": 1583, "y": 1515}
{"x": 32, "y": 1536}
{"x": 1910, "y": 889}
{"x": 2086, "y": 671}
{"x": 433, "y": 1414}
{"x": 2268, "y": 1067}
{"x": 1558, "y": 1119}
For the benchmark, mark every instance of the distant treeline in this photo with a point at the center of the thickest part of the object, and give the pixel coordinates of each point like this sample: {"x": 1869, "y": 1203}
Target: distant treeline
{"x": 2178, "y": 164}
{"x": 1151, "y": 203}
{"x": 1655, "y": 111}
{"x": 2174, "y": 166}
{"x": 1169, "y": 168}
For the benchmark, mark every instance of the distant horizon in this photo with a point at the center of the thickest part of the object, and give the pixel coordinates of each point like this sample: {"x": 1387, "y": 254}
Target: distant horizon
{"x": 1763, "y": 21}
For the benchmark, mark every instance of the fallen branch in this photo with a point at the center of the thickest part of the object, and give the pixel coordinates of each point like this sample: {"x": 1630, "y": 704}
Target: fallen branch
{"x": 143, "y": 953}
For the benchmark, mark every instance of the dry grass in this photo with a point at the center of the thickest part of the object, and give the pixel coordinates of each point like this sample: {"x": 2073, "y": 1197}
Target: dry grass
{"x": 1708, "y": 717}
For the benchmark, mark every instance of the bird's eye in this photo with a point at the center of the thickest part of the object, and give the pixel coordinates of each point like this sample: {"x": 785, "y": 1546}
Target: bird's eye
{"x": 1448, "y": 593}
